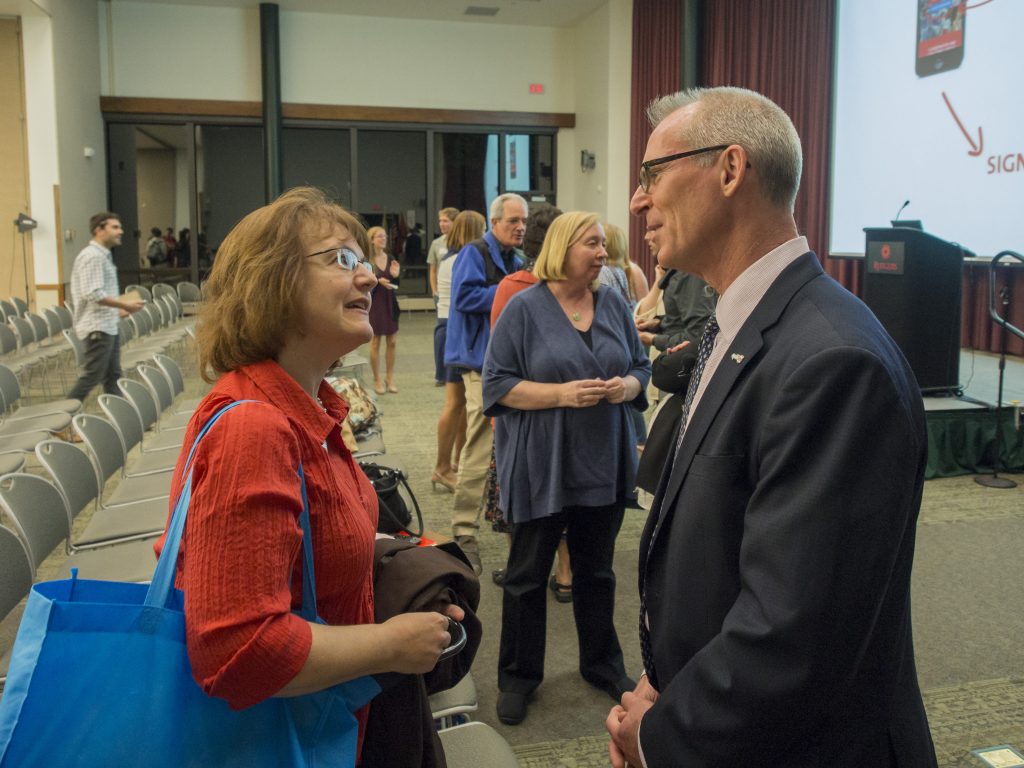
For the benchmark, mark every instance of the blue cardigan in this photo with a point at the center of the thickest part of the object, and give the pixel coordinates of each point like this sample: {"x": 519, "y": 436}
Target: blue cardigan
{"x": 558, "y": 457}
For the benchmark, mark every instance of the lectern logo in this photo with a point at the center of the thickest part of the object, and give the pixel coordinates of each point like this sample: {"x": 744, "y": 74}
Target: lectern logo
{"x": 885, "y": 258}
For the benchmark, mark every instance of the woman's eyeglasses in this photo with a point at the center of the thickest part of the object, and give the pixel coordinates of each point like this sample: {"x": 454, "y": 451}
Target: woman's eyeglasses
{"x": 343, "y": 256}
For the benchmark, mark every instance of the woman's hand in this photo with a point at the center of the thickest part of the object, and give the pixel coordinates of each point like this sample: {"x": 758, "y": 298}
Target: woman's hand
{"x": 416, "y": 640}
{"x": 621, "y": 390}
{"x": 582, "y": 394}
{"x": 394, "y": 269}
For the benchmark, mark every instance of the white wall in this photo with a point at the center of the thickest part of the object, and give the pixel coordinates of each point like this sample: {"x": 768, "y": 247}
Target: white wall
{"x": 602, "y": 45}
{"x": 180, "y": 51}
{"x": 332, "y": 59}
{"x": 173, "y": 51}
{"x": 620, "y": 64}
{"x": 76, "y": 78}
{"x": 41, "y": 130}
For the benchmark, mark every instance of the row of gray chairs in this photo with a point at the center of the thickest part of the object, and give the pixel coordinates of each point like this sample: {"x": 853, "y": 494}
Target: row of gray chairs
{"x": 39, "y": 513}
{"x": 13, "y": 307}
{"x": 24, "y": 427}
{"x": 31, "y": 344}
{"x": 184, "y": 290}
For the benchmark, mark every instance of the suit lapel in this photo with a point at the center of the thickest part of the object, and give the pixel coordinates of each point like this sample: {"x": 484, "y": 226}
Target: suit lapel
{"x": 741, "y": 354}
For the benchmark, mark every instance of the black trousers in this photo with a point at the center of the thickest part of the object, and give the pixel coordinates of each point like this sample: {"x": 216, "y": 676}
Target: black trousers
{"x": 590, "y": 534}
{"x": 102, "y": 365}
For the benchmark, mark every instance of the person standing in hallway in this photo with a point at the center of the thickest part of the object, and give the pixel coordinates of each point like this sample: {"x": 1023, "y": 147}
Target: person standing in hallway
{"x": 384, "y": 310}
{"x": 481, "y": 265}
{"x": 775, "y": 565}
{"x": 97, "y": 307}
{"x": 435, "y": 255}
{"x": 451, "y": 425}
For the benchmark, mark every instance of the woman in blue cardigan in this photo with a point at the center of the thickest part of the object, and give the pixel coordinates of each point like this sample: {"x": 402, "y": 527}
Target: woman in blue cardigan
{"x": 563, "y": 367}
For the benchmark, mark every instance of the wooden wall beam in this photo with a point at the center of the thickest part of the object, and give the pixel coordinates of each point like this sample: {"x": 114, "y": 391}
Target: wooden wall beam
{"x": 127, "y": 105}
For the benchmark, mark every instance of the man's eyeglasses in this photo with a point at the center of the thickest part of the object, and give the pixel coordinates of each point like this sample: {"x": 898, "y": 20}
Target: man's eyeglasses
{"x": 646, "y": 176}
{"x": 342, "y": 256}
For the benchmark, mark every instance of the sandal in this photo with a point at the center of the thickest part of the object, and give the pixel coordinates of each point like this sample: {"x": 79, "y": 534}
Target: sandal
{"x": 378, "y": 388}
{"x": 563, "y": 592}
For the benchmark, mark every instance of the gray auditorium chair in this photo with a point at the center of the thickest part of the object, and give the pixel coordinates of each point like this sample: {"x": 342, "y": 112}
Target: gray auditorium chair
{"x": 40, "y": 517}
{"x": 15, "y": 581}
{"x": 145, "y": 404}
{"x": 160, "y": 387}
{"x": 472, "y": 745}
{"x": 100, "y": 437}
{"x": 170, "y": 368}
{"x": 10, "y": 397}
{"x": 73, "y": 474}
{"x": 446, "y": 706}
{"x": 125, "y": 419}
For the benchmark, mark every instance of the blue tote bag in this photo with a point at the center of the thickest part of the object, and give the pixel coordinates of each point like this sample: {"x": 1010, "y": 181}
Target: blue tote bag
{"x": 100, "y": 676}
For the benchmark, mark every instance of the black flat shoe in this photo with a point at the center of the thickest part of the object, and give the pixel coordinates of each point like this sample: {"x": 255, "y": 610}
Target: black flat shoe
{"x": 615, "y": 689}
{"x": 511, "y": 707}
{"x": 563, "y": 592}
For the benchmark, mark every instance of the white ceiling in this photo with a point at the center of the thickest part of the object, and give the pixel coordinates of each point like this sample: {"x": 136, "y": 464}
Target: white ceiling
{"x": 538, "y": 13}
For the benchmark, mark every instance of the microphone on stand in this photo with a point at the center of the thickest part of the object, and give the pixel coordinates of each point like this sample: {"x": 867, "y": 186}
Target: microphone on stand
{"x": 902, "y": 207}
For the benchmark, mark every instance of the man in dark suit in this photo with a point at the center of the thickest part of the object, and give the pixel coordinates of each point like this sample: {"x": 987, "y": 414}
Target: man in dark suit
{"x": 775, "y": 565}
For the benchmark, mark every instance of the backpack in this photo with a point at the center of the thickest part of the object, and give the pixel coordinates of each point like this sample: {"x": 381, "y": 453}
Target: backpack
{"x": 492, "y": 274}
{"x": 156, "y": 252}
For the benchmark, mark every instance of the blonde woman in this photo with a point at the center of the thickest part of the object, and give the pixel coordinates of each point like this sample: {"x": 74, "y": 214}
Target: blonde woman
{"x": 384, "y": 312}
{"x": 451, "y": 426}
{"x": 620, "y": 273}
{"x": 564, "y": 364}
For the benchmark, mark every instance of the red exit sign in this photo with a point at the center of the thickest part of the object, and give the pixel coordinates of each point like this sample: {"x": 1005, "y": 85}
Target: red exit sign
{"x": 536, "y": 87}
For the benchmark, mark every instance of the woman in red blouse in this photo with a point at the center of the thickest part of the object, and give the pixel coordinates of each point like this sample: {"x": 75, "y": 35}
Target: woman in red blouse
{"x": 285, "y": 299}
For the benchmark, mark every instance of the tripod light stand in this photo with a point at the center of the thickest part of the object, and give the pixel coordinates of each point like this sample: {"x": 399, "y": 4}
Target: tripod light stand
{"x": 25, "y": 223}
{"x": 993, "y": 480}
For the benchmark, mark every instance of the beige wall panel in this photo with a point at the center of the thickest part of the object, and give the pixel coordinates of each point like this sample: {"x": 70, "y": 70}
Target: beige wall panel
{"x": 13, "y": 165}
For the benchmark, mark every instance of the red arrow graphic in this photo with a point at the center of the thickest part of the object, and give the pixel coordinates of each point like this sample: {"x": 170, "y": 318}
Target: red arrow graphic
{"x": 975, "y": 148}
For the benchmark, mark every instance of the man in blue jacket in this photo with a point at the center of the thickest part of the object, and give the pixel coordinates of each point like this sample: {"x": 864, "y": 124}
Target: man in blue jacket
{"x": 480, "y": 266}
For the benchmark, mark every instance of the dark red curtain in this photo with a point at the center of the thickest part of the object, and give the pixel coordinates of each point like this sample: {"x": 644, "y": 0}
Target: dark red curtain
{"x": 977, "y": 328}
{"x": 657, "y": 30}
{"x": 783, "y": 50}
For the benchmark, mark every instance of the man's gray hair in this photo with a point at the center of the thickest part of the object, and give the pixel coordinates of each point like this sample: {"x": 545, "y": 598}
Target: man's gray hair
{"x": 739, "y": 116}
{"x": 498, "y": 204}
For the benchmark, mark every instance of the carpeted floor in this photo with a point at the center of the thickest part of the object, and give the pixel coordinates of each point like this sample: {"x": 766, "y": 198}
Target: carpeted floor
{"x": 968, "y": 602}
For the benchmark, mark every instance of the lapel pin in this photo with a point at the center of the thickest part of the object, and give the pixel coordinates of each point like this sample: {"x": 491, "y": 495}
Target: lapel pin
{"x": 737, "y": 358}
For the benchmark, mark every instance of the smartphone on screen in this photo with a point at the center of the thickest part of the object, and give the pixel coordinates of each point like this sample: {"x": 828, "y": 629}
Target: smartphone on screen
{"x": 940, "y": 35}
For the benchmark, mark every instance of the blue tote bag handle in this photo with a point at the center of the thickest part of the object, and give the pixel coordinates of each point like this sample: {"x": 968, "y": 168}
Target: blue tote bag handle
{"x": 160, "y": 589}
{"x": 162, "y": 585}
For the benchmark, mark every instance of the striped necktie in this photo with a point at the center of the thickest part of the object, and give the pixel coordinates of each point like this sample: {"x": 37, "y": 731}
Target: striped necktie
{"x": 707, "y": 343}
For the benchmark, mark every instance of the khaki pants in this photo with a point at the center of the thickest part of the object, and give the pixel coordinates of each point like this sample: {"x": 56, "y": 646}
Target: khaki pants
{"x": 474, "y": 462}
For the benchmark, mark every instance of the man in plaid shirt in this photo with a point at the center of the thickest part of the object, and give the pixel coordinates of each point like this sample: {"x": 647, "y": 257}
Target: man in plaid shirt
{"x": 97, "y": 308}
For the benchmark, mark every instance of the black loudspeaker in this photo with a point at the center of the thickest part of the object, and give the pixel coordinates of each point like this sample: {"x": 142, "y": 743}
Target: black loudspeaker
{"x": 913, "y": 284}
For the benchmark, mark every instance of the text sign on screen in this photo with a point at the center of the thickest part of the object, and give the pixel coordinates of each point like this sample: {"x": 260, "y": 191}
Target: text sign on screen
{"x": 885, "y": 258}
{"x": 536, "y": 87}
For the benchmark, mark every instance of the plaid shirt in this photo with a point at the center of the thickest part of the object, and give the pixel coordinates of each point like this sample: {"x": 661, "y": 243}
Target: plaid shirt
{"x": 93, "y": 278}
